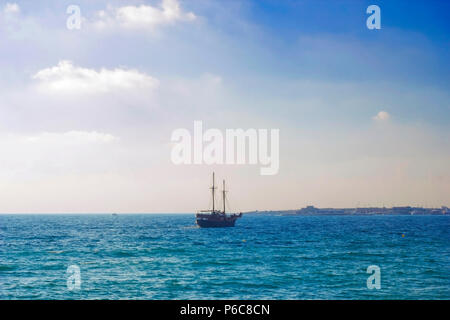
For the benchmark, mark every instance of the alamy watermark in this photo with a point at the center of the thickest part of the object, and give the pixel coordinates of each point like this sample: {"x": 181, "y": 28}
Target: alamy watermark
{"x": 235, "y": 146}
{"x": 374, "y": 280}
{"x": 74, "y": 277}
{"x": 374, "y": 20}
{"x": 74, "y": 20}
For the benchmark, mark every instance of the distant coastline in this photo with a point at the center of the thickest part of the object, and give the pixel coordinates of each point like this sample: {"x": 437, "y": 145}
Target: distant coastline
{"x": 312, "y": 211}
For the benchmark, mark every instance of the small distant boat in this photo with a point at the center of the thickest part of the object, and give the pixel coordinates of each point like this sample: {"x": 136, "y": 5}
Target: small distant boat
{"x": 114, "y": 214}
{"x": 216, "y": 218}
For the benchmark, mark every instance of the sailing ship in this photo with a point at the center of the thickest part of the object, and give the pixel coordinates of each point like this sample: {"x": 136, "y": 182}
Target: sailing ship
{"x": 216, "y": 218}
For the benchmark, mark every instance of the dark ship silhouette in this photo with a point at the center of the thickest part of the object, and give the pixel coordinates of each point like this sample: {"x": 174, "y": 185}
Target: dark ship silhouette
{"x": 216, "y": 218}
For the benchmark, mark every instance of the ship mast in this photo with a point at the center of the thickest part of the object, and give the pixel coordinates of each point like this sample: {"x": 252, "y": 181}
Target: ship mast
{"x": 213, "y": 190}
{"x": 223, "y": 193}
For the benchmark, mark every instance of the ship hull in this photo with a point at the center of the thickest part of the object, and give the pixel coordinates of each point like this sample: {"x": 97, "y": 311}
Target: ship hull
{"x": 215, "y": 224}
{"x": 216, "y": 220}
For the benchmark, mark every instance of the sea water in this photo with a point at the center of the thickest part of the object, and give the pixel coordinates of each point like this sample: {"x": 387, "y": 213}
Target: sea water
{"x": 264, "y": 257}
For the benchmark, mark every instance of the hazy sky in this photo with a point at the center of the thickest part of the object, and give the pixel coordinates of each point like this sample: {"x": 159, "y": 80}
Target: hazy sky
{"x": 86, "y": 116}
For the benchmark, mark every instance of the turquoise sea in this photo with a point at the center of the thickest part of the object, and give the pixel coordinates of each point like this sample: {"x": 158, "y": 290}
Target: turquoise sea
{"x": 263, "y": 257}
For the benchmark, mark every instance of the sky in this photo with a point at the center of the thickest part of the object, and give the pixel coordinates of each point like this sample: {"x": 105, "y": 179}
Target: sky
{"x": 87, "y": 115}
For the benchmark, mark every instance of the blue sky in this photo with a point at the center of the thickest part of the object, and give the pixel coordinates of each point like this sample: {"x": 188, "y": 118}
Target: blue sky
{"x": 310, "y": 68}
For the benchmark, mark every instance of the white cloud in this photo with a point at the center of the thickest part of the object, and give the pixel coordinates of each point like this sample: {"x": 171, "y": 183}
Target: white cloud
{"x": 382, "y": 116}
{"x": 72, "y": 138}
{"x": 67, "y": 78}
{"x": 11, "y": 8}
{"x": 143, "y": 16}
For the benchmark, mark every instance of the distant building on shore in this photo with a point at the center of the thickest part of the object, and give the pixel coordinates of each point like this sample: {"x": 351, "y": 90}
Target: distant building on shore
{"x": 312, "y": 211}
